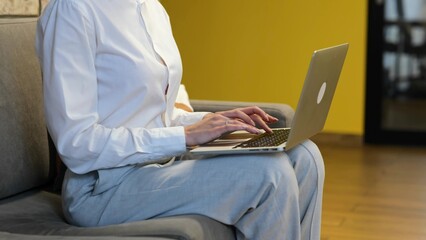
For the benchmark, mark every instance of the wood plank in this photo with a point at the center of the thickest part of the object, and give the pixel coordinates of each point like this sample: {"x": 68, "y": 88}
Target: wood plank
{"x": 373, "y": 192}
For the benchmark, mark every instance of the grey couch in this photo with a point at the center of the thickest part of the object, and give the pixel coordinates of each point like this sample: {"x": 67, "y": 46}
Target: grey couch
{"x": 29, "y": 206}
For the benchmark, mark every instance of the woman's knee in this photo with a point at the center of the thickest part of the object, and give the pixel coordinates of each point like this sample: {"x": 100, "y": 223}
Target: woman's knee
{"x": 307, "y": 159}
{"x": 277, "y": 171}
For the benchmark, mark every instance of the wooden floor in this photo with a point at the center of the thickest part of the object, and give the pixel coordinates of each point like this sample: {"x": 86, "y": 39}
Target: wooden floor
{"x": 374, "y": 192}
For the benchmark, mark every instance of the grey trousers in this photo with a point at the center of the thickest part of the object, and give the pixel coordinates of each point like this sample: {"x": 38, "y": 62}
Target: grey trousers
{"x": 265, "y": 196}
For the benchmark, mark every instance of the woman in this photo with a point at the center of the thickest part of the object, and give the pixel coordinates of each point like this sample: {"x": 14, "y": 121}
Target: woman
{"x": 111, "y": 73}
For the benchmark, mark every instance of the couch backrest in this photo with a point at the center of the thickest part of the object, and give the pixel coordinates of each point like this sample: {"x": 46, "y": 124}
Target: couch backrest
{"x": 24, "y": 152}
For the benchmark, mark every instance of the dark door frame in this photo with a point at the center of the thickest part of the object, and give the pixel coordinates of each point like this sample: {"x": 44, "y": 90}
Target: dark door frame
{"x": 373, "y": 129}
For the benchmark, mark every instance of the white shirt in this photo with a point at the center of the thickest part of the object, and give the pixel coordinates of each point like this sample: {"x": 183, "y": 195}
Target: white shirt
{"x": 111, "y": 73}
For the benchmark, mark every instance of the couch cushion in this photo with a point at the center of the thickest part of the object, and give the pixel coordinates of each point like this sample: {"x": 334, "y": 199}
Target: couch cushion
{"x": 15, "y": 236}
{"x": 39, "y": 213}
{"x": 24, "y": 160}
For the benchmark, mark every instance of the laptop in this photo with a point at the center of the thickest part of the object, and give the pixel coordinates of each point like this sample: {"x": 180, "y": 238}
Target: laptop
{"x": 309, "y": 118}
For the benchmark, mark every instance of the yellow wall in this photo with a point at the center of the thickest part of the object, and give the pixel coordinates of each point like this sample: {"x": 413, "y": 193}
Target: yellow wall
{"x": 246, "y": 50}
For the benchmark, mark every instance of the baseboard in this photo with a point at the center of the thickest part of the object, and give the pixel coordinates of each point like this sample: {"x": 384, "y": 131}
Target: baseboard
{"x": 349, "y": 140}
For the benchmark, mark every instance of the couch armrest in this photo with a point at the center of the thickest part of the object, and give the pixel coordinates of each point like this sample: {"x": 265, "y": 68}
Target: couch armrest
{"x": 283, "y": 112}
{"x": 16, "y": 236}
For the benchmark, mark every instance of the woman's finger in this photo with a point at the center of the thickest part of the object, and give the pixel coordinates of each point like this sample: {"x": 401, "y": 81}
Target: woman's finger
{"x": 245, "y": 114}
{"x": 262, "y": 124}
{"x": 237, "y": 113}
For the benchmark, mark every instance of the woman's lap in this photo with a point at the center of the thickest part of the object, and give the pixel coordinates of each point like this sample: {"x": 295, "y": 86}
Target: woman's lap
{"x": 223, "y": 188}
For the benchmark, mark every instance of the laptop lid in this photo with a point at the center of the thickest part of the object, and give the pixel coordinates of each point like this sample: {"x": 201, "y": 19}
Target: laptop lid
{"x": 317, "y": 93}
{"x": 311, "y": 112}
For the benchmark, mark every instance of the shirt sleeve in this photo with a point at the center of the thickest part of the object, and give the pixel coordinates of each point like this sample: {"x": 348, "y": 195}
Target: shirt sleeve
{"x": 66, "y": 45}
{"x": 183, "y": 118}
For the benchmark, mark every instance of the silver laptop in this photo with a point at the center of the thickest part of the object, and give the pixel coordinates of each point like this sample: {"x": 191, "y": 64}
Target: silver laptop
{"x": 309, "y": 118}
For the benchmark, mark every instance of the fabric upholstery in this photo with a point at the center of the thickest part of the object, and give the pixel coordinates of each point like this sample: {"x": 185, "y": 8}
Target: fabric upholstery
{"x": 19, "y": 8}
{"x": 16, "y": 236}
{"x": 24, "y": 149}
{"x": 40, "y": 213}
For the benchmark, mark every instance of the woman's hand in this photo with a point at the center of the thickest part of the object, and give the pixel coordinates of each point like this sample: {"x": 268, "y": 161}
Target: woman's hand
{"x": 213, "y": 125}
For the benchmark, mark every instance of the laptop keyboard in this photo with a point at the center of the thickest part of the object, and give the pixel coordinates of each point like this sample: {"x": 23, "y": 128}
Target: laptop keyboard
{"x": 277, "y": 137}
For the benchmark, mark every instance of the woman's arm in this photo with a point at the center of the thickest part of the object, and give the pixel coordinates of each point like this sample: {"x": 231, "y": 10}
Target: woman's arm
{"x": 67, "y": 45}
